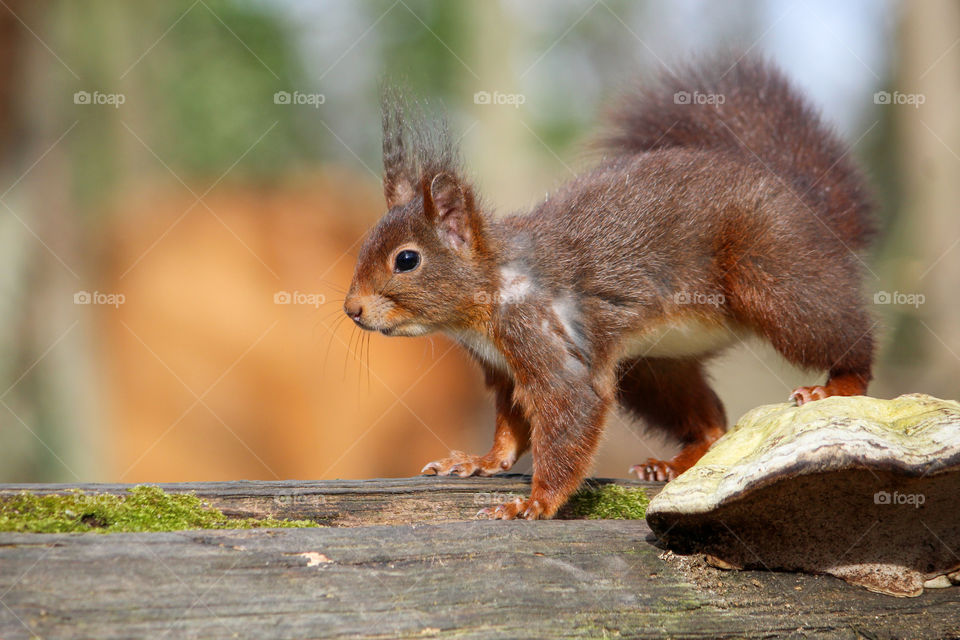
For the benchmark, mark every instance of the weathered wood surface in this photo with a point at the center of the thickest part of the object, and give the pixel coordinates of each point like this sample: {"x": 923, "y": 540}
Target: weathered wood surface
{"x": 472, "y": 579}
{"x": 347, "y": 503}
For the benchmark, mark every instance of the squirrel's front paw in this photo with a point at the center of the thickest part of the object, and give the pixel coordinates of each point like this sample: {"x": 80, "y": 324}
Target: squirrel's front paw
{"x": 518, "y": 508}
{"x": 464, "y": 465}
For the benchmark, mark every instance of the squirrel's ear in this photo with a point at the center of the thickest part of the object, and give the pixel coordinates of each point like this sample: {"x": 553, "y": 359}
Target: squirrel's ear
{"x": 447, "y": 205}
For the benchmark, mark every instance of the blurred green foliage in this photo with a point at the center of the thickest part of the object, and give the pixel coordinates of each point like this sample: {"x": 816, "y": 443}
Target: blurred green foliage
{"x": 198, "y": 80}
{"x": 415, "y": 41}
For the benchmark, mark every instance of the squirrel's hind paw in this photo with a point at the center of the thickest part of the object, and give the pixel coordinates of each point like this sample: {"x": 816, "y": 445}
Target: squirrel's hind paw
{"x": 846, "y": 384}
{"x": 803, "y": 395}
{"x": 654, "y": 470}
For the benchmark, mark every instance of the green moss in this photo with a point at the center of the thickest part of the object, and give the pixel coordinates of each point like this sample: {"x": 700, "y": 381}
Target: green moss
{"x": 142, "y": 508}
{"x": 609, "y": 501}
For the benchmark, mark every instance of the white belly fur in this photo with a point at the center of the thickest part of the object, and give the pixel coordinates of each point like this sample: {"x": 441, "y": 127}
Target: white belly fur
{"x": 681, "y": 337}
{"x": 481, "y": 346}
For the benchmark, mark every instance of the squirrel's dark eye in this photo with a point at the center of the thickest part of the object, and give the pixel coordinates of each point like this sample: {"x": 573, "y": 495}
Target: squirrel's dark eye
{"x": 406, "y": 261}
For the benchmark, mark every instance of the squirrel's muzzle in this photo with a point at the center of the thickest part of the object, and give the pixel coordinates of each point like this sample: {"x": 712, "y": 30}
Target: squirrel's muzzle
{"x": 354, "y": 310}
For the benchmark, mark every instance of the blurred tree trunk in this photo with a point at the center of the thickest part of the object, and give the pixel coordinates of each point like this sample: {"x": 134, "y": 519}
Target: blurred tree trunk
{"x": 929, "y": 141}
{"x": 18, "y": 442}
{"x": 53, "y": 401}
{"x": 498, "y": 138}
{"x": 51, "y": 428}
{"x": 11, "y": 47}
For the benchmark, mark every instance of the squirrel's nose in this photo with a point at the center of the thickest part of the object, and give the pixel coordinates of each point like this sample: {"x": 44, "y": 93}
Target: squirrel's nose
{"x": 354, "y": 309}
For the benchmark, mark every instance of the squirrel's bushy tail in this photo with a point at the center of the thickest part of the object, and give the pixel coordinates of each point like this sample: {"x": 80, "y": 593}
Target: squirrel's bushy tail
{"x": 747, "y": 107}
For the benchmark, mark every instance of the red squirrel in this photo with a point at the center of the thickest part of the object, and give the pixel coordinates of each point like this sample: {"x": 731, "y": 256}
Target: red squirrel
{"x": 722, "y": 207}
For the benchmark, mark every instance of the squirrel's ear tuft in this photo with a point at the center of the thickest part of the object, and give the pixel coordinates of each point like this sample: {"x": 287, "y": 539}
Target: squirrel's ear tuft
{"x": 399, "y": 179}
{"x": 448, "y": 205}
{"x": 416, "y": 150}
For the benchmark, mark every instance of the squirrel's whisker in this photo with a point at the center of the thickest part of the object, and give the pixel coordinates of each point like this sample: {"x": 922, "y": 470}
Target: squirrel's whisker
{"x": 333, "y": 336}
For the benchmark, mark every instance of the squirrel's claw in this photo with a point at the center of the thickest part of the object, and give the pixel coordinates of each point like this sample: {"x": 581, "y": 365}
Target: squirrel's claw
{"x": 847, "y": 384}
{"x": 518, "y": 508}
{"x": 463, "y": 465}
{"x": 666, "y": 470}
{"x": 803, "y": 395}
{"x": 654, "y": 470}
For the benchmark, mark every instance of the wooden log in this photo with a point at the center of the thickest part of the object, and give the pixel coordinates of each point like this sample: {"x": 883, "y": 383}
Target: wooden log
{"x": 472, "y": 579}
{"x": 348, "y": 503}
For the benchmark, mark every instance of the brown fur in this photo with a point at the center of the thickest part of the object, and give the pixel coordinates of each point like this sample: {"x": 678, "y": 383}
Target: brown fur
{"x": 703, "y": 221}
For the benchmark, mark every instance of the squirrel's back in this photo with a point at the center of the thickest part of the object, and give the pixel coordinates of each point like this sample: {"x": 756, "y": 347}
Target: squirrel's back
{"x": 748, "y": 108}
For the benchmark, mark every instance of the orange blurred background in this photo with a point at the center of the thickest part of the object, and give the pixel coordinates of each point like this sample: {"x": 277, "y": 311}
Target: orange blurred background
{"x": 184, "y": 186}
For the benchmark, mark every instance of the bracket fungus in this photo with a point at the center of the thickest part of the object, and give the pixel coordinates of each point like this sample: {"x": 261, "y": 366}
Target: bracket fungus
{"x": 864, "y": 489}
